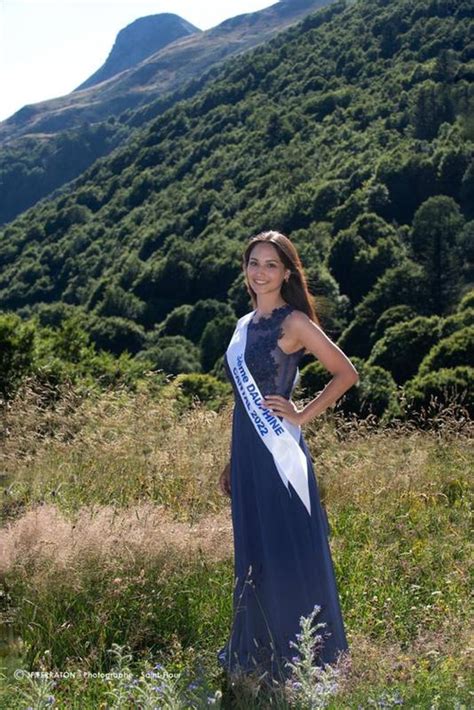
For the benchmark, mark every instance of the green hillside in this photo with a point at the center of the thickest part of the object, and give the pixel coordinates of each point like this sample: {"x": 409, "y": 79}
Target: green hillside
{"x": 352, "y": 133}
{"x": 45, "y": 145}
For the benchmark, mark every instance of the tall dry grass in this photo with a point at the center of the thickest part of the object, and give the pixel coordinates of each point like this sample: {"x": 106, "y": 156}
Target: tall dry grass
{"x": 115, "y": 530}
{"x": 116, "y": 449}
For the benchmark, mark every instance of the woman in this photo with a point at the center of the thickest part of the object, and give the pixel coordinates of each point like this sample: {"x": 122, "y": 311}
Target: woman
{"x": 283, "y": 564}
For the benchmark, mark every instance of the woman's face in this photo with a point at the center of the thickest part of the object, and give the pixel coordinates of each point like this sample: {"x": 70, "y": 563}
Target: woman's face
{"x": 265, "y": 269}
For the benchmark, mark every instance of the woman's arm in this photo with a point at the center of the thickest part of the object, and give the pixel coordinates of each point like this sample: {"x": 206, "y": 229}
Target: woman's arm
{"x": 313, "y": 338}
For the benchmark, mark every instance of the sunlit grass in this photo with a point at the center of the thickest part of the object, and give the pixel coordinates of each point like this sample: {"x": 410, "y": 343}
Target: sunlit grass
{"x": 115, "y": 532}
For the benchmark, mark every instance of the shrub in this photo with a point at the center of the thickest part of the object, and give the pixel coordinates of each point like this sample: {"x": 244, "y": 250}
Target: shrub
{"x": 17, "y": 340}
{"x": 174, "y": 354}
{"x": 453, "y": 351}
{"x": 467, "y": 301}
{"x": 457, "y": 321}
{"x": 404, "y": 346}
{"x": 375, "y": 393}
{"x": 444, "y": 385}
{"x": 392, "y": 316}
{"x": 313, "y": 378}
{"x": 203, "y": 388}
{"x": 116, "y": 335}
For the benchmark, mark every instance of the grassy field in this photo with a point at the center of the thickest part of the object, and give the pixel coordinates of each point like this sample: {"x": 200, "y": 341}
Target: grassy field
{"x": 116, "y": 563}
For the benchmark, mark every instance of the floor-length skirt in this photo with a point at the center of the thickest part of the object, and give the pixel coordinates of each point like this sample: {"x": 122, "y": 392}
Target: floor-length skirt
{"x": 282, "y": 562}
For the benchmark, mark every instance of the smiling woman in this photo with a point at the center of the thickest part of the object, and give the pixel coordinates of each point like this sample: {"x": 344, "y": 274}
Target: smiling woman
{"x": 283, "y": 564}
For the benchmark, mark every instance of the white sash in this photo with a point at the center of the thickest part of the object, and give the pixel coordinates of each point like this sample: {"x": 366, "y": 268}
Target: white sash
{"x": 280, "y": 437}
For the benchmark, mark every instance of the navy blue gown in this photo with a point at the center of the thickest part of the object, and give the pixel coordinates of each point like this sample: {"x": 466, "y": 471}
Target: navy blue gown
{"x": 282, "y": 560}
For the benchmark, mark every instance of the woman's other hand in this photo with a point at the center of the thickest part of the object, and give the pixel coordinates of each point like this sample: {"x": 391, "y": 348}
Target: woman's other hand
{"x": 224, "y": 481}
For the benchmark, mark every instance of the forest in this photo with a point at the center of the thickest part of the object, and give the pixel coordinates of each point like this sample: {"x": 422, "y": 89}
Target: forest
{"x": 353, "y": 134}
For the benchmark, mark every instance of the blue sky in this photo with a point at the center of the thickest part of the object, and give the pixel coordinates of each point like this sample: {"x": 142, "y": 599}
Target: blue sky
{"x": 47, "y": 48}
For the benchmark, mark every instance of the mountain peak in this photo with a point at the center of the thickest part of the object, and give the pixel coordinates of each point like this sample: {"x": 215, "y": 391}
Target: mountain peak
{"x": 139, "y": 40}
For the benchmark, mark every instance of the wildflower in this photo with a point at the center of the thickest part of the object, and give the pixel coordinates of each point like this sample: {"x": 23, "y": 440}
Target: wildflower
{"x": 212, "y": 699}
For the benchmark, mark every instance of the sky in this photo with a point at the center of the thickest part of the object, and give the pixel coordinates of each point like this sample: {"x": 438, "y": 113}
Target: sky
{"x": 49, "y": 47}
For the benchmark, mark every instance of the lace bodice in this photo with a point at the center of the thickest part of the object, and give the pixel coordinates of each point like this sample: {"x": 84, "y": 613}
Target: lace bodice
{"x": 273, "y": 370}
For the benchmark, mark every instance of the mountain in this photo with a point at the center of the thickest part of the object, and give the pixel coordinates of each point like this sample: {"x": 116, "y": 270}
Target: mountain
{"x": 138, "y": 41}
{"x": 163, "y": 71}
{"x": 45, "y": 145}
{"x": 351, "y": 132}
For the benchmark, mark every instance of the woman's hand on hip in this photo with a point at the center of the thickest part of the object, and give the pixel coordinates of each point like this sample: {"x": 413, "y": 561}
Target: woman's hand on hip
{"x": 283, "y": 407}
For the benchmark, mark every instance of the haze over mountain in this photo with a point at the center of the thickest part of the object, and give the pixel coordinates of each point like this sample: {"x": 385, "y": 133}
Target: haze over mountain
{"x": 138, "y": 41}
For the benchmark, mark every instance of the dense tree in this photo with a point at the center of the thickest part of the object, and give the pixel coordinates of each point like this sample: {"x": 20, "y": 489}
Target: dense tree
{"x": 436, "y": 227}
{"x": 392, "y": 316}
{"x": 214, "y": 340}
{"x": 321, "y": 134}
{"x": 374, "y": 394}
{"x": 454, "y": 351}
{"x": 402, "y": 285}
{"x": 403, "y": 346}
{"x": 441, "y": 387}
{"x": 456, "y": 321}
{"x": 172, "y": 354}
{"x": 116, "y": 334}
{"x": 17, "y": 340}
{"x": 202, "y": 388}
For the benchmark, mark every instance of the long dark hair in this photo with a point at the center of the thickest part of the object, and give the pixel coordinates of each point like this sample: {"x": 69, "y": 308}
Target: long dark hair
{"x": 295, "y": 290}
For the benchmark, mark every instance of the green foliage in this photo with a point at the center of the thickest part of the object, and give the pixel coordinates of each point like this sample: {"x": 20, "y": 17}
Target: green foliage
{"x": 214, "y": 340}
{"x": 53, "y": 314}
{"x": 342, "y": 258}
{"x": 175, "y": 322}
{"x": 392, "y": 316}
{"x": 116, "y": 334}
{"x": 433, "y": 105}
{"x": 453, "y": 351}
{"x": 313, "y": 378}
{"x": 403, "y": 346}
{"x": 61, "y": 351}
{"x": 374, "y": 394}
{"x": 436, "y": 227}
{"x": 467, "y": 301}
{"x": 444, "y": 385}
{"x": 32, "y": 168}
{"x": 202, "y": 388}
{"x": 173, "y": 354}
{"x": 116, "y": 301}
{"x": 202, "y": 314}
{"x": 465, "y": 242}
{"x": 457, "y": 321}
{"x": 17, "y": 341}
{"x": 351, "y": 132}
{"x": 401, "y": 285}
